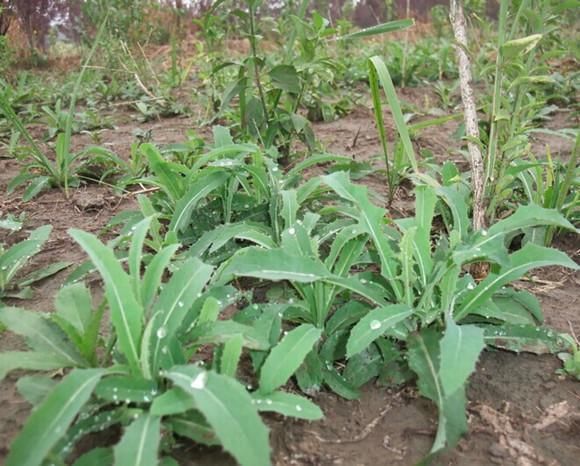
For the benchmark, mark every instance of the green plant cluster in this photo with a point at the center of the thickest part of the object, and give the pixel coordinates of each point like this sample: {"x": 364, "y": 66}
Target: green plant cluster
{"x": 248, "y": 279}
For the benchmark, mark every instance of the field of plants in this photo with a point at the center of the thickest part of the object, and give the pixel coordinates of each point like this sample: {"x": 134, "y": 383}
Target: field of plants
{"x": 312, "y": 233}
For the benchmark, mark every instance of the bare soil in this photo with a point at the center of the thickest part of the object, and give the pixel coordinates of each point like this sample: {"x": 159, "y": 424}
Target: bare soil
{"x": 521, "y": 412}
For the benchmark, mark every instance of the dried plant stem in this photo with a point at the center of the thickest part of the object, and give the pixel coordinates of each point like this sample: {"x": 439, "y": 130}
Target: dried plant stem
{"x": 470, "y": 114}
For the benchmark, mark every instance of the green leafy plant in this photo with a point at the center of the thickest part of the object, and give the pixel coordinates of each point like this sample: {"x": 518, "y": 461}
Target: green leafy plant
{"x": 521, "y": 91}
{"x": 40, "y": 170}
{"x": 421, "y": 312}
{"x": 139, "y": 373}
{"x": 551, "y": 184}
{"x": 13, "y": 259}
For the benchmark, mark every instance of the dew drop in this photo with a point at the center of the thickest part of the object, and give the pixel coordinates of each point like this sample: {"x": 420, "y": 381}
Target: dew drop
{"x": 375, "y": 324}
{"x": 298, "y": 408}
{"x": 483, "y": 232}
{"x": 199, "y": 382}
{"x": 268, "y": 401}
{"x": 291, "y": 231}
{"x": 161, "y": 332}
{"x": 180, "y": 303}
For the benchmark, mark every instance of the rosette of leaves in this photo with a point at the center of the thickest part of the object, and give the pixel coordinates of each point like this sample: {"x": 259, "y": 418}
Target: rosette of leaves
{"x": 419, "y": 311}
{"x": 138, "y": 374}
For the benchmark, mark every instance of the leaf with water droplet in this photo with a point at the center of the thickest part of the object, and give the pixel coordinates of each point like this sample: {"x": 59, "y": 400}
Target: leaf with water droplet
{"x": 228, "y": 408}
{"x": 374, "y": 324}
{"x": 130, "y": 388}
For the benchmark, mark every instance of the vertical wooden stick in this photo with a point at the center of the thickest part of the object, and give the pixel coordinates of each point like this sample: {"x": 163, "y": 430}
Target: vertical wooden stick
{"x": 471, "y": 122}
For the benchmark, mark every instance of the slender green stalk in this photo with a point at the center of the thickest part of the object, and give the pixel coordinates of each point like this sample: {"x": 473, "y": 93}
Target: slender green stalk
{"x": 376, "y": 96}
{"x": 496, "y": 103}
{"x": 255, "y": 61}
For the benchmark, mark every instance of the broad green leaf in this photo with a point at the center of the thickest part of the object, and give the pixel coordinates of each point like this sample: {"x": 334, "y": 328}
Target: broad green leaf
{"x": 513, "y": 307}
{"x": 138, "y": 235}
{"x": 219, "y": 237}
{"x": 96, "y": 457}
{"x": 425, "y": 209}
{"x": 230, "y": 357}
{"x": 42, "y": 334}
{"x": 373, "y": 292}
{"x": 193, "y": 426}
{"x": 228, "y": 408}
{"x": 309, "y": 375}
{"x": 338, "y": 383}
{"x": 51, "y": 419}
{"x": 45, "y": 272}
{"x": 126, "y": 389}
{"x": 285, "y": 77}
{"x": 452, "y": 421}
{"x": 423, "y": 356}
{"x": 345, "y": 316}
{"x": 140, "y": 442}
{"x": 74, "y": 304}
{"x": 460, "y": 348}
{"x": 288, "y": 404}
{"x": 209, "y": 311}
{"x": 273, "y": 264}
{"x": 176, "y": 299}
{"x": 31, "y": 360}
{"x": 16, "y": 256}
{"x": 173, "y": 401}
{"x": 372, "y": 219}
{"x": 154, "y": 274}
{"x": 526, "y": 216}
{"x": 528, "y": 338}
{"x": 363, "y": 366}
{"x": 289, "y": 207}
{"x": 35, "y": 388}
{"x": 37, "y": 184}
{"x": 529, "y": 257}
{"x": 126, "y": 312}
{"x": 287, "y": 356}
{"x": 222, "y": 331}
{"x": 375, "y": 324}
{"x": 457, "y": 204}
{"x": 407, "y": 259}
{"x": 197, "y": 191}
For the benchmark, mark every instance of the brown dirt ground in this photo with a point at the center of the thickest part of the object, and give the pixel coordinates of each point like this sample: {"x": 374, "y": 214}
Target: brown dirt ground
{"x": 520, "y": 411}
